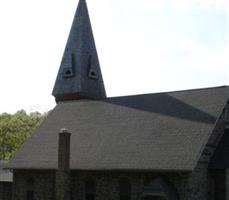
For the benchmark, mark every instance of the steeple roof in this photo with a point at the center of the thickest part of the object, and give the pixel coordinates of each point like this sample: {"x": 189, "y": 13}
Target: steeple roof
{"x": 79, "y": 75}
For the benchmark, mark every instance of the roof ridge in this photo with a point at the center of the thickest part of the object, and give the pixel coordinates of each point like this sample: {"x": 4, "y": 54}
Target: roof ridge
{"x": 169, "y": 92}
{"x": 135, "y": 95}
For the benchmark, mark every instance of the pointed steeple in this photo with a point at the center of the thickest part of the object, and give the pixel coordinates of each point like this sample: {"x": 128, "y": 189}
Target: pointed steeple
{"x": 79, "y": 76}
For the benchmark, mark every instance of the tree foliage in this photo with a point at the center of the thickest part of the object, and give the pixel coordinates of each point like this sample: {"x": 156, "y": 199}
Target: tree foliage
{"x": 15, "y": 129}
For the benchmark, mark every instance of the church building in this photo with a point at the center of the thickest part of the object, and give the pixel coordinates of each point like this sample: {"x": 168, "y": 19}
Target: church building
{"x": 161, "y": 146}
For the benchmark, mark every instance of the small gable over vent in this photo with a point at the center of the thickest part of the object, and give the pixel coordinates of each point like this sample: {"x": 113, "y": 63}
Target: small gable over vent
{"x": 67, "y": 72}
{"x": 68, "y": 69}
{"x": 93, "y": 74}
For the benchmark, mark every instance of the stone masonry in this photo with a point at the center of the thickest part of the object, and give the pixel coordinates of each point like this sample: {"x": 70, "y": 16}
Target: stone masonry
{"x": 190, "y": 186}
{"x": 5, "y": 190}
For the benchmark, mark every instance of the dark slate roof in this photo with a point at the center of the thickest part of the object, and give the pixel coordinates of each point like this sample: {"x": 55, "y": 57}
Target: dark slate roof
{"x": 220, "y": 159}
{"x": 5, "y": 174}
{"x": 165, "y": 131}
{"x": 79, "y": 75}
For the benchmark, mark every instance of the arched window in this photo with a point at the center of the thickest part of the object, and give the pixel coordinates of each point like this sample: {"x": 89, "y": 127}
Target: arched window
{"x": 159, "y": 189}
{"x": 30, "y": 189}
{"x": 124, "y": 189}
{"x": 90, "y": 189}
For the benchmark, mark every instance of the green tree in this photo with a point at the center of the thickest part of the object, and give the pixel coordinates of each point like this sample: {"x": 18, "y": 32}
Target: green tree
{"x": 15, "y": 129}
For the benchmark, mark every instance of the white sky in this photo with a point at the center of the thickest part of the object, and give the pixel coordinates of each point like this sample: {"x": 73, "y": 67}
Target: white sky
{"x": 144, "y": 46}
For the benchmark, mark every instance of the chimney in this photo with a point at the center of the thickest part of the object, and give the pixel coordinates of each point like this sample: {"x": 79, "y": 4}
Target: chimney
{"x": 63, "y": 174}
{"x": 64, "y": 150}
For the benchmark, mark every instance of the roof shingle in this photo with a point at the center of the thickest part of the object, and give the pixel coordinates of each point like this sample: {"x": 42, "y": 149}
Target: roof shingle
{"x": 165, "y": 131}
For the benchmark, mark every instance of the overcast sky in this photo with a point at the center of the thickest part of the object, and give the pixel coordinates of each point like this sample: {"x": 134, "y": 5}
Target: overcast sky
{"x": 144, "y": 46}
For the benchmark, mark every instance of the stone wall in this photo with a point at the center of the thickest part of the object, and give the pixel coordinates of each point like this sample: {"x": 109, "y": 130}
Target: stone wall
{"x": 190, "y": 186}
{"x": 41, "y": 182}
{"x": 5, "y": 190}
{"x": 197, "y": 187}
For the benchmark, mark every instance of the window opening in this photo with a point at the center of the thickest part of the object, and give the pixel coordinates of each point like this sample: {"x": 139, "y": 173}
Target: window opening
{"x": 30, "y": 195}
{"x": 90, "y": 190}
{"x": 124, "y": 189}
{"x": 30, "y": 190}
